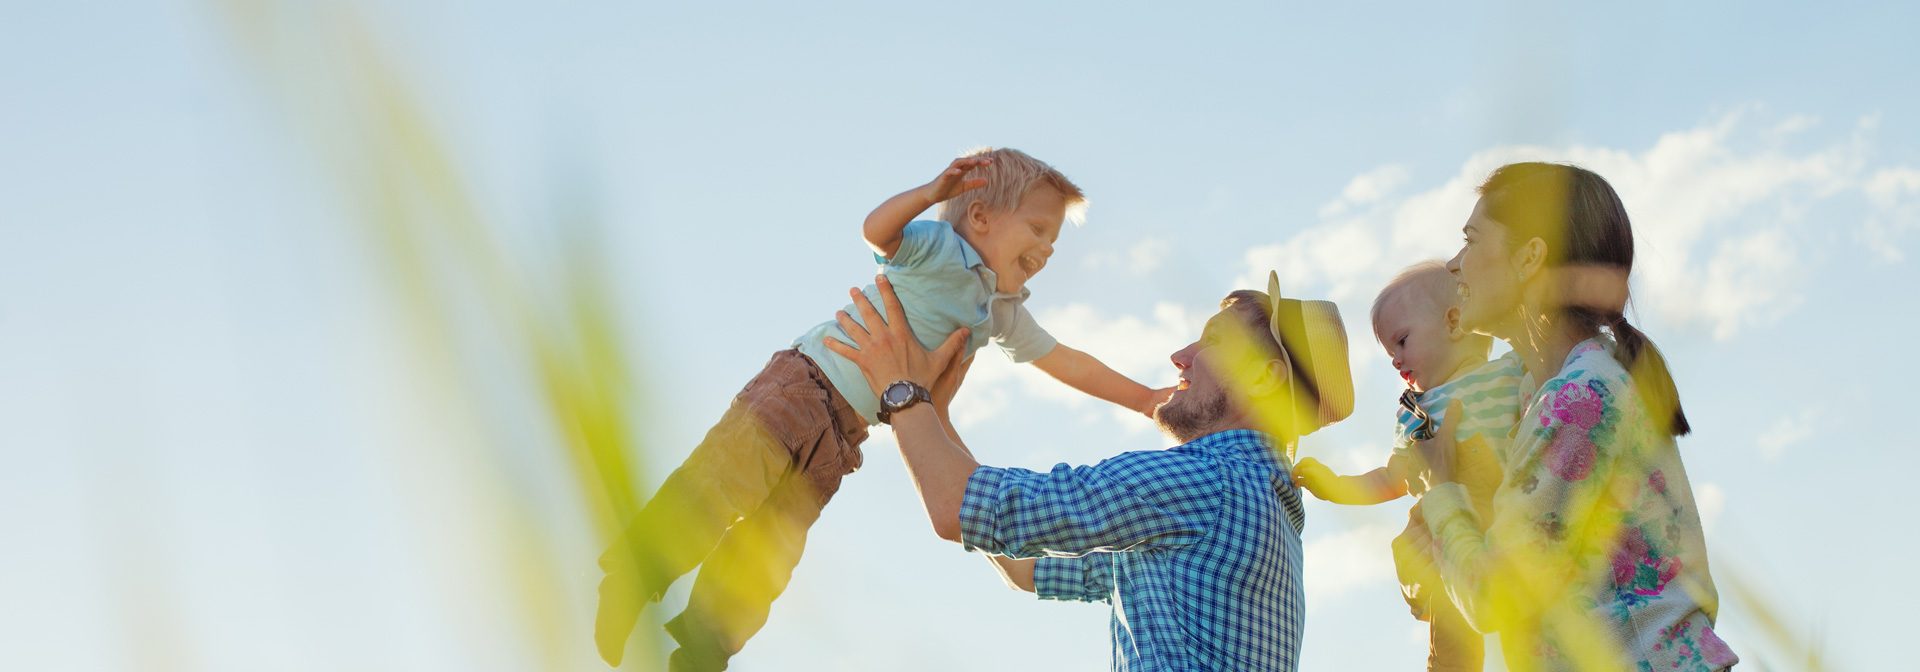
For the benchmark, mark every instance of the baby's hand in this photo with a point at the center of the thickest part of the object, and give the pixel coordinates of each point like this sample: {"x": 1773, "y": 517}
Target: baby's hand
{"x": 1313, "y": 476}
{"x": 953, "y": 181}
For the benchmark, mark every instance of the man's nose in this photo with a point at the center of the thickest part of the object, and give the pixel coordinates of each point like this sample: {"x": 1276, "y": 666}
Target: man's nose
{"x": 1183, "y": 358}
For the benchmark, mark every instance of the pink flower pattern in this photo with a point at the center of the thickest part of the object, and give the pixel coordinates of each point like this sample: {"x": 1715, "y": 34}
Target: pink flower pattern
{"x": 1638, "y": 568}
{"x": 1579, "y": 416}
{"x": 1570, "y": 456}
{"x": 1714, "y": 649}
{"x": 1575, "y": 404}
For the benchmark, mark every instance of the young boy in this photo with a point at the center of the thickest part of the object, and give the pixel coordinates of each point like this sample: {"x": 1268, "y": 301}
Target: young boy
{"x": 1416, "y": 320}
{"x": 741, "y": 504}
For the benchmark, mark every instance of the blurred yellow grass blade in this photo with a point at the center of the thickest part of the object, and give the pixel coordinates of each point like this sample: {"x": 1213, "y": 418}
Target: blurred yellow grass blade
{"x": 438, "y": 250}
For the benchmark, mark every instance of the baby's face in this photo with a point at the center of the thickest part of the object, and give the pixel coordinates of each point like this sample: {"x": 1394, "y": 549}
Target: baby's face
{"x": 1413, "y": 329}
{"x": 1016, "y": 244}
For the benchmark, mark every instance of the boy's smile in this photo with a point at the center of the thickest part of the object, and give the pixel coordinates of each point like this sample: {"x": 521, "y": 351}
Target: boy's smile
{"x": 1016, "y": 245}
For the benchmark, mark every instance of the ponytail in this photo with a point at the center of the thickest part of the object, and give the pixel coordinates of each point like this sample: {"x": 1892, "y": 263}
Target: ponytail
{"x": 1652, "y": 381}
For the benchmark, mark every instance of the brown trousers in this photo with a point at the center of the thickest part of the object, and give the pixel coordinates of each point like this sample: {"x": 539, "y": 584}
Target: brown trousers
{"x": 740, "y": 506}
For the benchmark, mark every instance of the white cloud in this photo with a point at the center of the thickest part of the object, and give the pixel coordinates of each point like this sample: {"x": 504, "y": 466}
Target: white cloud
{"x": 1711, "y": 500}
{"x": 1743, "y": 285}
{"x": 1895, "y": 194}
{"x": 1146, "y": 255}
{"x": 1716, "y": 212}
{"x": 1337, "y": 563}
{"x": 1795, "y": 124}
{"x": 1785, "y": 432}
{"x": 1365, "y": 188}
{"x": 1141, "y": 258}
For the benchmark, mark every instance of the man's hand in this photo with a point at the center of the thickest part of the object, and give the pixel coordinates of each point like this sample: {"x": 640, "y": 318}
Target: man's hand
{"x": 948, "y": 384}
{"x": 1437, "y": 453}
{"x": 888, "y": 352}
{"x": 953, "y": 181}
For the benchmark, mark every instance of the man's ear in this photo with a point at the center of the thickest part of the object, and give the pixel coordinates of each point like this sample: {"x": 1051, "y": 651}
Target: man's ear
{"x": 1274, "y": 379}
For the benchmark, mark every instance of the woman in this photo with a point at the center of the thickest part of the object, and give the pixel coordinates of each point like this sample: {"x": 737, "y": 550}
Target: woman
{"x": 1594, "y": 557}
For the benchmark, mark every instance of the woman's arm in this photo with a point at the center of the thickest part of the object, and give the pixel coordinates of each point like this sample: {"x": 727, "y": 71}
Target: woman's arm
{"x": 1518, "y": 571}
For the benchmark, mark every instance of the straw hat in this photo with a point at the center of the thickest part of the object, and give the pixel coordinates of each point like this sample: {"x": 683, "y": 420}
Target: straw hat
{"x": 1315, "y": 340}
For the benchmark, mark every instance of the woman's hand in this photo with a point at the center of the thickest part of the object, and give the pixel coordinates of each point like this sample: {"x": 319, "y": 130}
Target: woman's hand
{"x": 1413, "y": 564}
{"x": 889, "y": 353}
{"x": 1437, "y": 454}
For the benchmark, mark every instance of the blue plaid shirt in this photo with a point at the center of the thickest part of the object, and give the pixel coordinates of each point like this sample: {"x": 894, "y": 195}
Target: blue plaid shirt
{"x": 1197, "y": 548}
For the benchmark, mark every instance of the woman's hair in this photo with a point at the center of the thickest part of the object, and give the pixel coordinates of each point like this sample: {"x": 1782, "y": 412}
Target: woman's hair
{"x": 1012, "y": 174}
{"x": 1584, "y": 223}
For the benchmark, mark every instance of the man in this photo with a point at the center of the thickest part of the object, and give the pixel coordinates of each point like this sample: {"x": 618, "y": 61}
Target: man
{"x": 1197, "y": 547}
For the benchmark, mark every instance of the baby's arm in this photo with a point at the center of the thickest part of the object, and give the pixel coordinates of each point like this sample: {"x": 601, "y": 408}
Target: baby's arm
{"x": 1372, "y": 487}
{"x": 884, "y": 224}
{"x": 1083, "y": 372}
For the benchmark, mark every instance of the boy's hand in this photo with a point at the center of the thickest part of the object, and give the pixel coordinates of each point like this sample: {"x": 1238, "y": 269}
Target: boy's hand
{"x": 1313, "y": 476}
{"x": 953, "y": 181}
{"x": 1154, "y": 399}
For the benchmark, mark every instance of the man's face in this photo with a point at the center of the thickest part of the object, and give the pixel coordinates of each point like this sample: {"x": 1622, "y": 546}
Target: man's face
{"x": 1200, "y": 404}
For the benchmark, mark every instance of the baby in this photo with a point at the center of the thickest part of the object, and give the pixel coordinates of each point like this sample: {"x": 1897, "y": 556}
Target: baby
{"x": 741, "y": 504}
{"x": 1416, "y": 320}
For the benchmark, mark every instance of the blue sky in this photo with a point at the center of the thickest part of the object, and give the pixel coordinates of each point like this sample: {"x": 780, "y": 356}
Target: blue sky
{"x": 232, "y": 442}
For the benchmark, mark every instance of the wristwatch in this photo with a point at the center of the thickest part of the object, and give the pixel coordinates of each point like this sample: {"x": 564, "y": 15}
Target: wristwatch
{"x": 900, "y": 395}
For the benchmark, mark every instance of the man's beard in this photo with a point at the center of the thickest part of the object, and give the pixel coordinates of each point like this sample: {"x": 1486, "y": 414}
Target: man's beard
{"x": 1188, "y": 419}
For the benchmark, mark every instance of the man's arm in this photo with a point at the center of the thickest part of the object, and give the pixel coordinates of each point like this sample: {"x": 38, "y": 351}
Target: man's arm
{"x": 883, "y": 225}
{"x": 1017, "y": 573}
{"x": 938, "y": 465}
{"x": 1130, "y": 502}
{"x": 1088, "y": 374}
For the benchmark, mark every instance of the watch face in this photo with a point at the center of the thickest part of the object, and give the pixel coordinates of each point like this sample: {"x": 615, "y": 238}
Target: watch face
{"x": 897, "y": 394}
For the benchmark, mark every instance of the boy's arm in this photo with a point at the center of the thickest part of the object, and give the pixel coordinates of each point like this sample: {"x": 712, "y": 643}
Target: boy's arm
{"x": 1083, "y": 372}
{"x": 1372, "y": 487}
{"x": 883, "y": 226}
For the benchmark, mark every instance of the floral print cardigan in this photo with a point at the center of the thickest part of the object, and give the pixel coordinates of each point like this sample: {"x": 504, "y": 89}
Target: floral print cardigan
{"x": 1594, "y": 558}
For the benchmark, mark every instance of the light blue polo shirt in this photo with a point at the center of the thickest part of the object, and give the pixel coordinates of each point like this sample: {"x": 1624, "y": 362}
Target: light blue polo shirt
{"x": 944, "y": 285}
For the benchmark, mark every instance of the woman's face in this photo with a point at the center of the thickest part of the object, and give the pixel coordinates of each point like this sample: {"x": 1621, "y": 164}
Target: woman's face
{"x": 1489, "y": 280}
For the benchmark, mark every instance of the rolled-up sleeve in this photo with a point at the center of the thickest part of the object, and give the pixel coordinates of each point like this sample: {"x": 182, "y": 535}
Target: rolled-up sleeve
{"x": 1086, "y": 578}
{"x": 1134, "y": 501}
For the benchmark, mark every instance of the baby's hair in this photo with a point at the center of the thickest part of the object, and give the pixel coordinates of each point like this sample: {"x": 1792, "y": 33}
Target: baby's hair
{"x": 1012, "y": 174}
{"x": 1431, "y": 283}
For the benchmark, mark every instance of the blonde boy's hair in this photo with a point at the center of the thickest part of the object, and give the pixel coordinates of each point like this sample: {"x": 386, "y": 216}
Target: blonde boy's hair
{"x": 1012, "y": 174}
{"x": 1431, "y": 283}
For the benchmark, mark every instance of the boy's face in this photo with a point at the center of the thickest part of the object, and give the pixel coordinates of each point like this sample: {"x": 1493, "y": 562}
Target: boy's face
{"x": 1413, "y": 329}
{"x": 1016, "y": 244}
